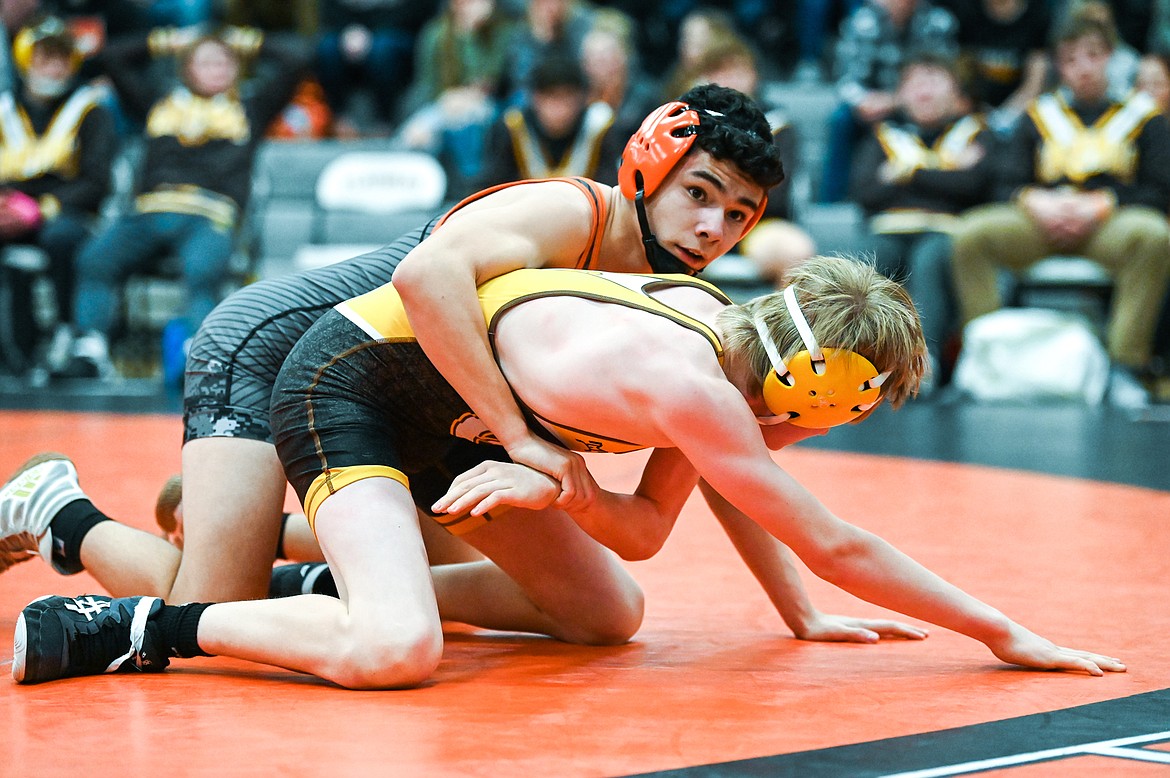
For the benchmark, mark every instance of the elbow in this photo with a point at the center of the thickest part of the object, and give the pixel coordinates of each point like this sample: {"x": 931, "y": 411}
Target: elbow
{"x": 837, "y": 558}
{"x": 410, "y": 277}
{"x": 648, "y": 543}
{"x": 640, "y": 548}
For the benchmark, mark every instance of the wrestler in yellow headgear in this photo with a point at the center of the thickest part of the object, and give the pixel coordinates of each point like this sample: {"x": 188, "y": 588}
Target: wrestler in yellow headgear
{"x": 817, "y": 388}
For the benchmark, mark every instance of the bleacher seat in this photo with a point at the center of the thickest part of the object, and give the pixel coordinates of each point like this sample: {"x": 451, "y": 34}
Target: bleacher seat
{"x": 737, "y": 277}
{"x": 295, "y": 229}
{"x": 836, "y": 228}
{"x": 284, "y": 197}
{"x": 365, "y": 199}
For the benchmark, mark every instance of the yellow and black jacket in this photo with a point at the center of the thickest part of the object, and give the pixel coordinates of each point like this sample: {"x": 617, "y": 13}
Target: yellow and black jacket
{"x": 199, "y": 150}
{"x": 1120, "y": 145}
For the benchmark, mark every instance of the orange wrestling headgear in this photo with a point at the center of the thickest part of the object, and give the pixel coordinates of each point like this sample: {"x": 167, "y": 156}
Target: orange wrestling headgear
{"x": 664, "y": 138}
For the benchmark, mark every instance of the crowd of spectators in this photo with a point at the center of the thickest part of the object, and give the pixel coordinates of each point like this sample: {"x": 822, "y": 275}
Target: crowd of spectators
{"x": 937, "y": 100}
{"x": 981, "y": 138}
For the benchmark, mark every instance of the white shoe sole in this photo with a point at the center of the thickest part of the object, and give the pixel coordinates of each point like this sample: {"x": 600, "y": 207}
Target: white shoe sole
{"x": 20, "y": 643}
{"x": 19, "y": 647}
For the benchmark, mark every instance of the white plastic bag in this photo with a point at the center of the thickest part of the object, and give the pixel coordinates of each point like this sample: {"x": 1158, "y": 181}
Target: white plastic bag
{"x": 1032, "y": 354}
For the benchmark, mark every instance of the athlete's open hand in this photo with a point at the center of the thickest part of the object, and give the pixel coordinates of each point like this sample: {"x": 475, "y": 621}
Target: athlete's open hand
{"x": 577, "y": 487}
{"x": 491, "y": 485}
{"x": 1022, "y": 647}
{"x": 828, "y": 628}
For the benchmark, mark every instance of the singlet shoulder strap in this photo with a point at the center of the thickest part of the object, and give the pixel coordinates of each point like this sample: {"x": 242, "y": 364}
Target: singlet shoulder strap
{"x": 632, "y": 290}
{"x": 593, "y": 191}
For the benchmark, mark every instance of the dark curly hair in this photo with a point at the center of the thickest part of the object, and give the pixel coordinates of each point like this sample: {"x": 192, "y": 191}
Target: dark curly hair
{"x": 740, "y": 134}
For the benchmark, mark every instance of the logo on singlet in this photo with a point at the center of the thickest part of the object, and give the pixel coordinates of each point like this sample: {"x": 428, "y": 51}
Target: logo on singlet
{"x": 469, "y": 427}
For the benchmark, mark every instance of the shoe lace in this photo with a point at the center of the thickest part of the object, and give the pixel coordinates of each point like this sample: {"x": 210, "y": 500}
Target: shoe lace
{"x": 96, "y": 644}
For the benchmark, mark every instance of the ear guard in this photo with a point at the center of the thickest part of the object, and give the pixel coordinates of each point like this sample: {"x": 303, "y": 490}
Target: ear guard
{"x": 818, "y": 388}
{"x": 29, "y": 37}
{"x": 663, "y": 139}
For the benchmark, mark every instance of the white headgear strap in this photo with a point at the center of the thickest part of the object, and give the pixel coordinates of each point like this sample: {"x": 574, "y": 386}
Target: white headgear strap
{"x": 806, "y": 335}
{"x": 816, "y": 355}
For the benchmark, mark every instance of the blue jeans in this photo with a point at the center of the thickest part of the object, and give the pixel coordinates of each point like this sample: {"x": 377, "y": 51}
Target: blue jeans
{"x": 60, "y": 238}
{"x": 844, "y": 131}
{"x": 139, "y": 242}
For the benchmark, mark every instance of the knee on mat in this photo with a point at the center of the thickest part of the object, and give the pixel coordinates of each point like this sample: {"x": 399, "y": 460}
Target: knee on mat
{"x": 397, "y": 657}
{"x": 612, "y": 622}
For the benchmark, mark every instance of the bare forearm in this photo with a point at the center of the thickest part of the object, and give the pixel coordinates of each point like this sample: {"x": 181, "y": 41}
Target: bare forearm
{"x": 872, "y": 569}
{"x": 444, "y": 312}
{"x": 632, "y": 526}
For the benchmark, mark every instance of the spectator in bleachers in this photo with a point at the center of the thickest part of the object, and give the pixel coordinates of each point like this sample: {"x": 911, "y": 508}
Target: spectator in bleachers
{"x": 875, "y": 40}
{"x": 92, "y": 23}
{"x": 776, "y": 244}
{"x": 550, "y": 27}
{"x": 557, "y": 133}
{"x": 1003, "y": 46}
{"x": 918, "y": 170}
{"x": 56, "y": 143}
{"x": 458, "y": 83}
{"x": 1084, "y": 174}
{"x": 1132, "y": 19}
{"x": 196, "y": 174}
{"x": 654, "y": 42}
{"x": 768, "y": 25}
{"x": 1122, "y": 67}
{"x": 700, "y": 31}
{"x": 612, "y": 68}
{"x": 368, "y": 44}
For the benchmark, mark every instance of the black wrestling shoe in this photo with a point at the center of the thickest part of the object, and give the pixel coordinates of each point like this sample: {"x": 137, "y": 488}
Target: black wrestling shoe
{"x": 302, "y": 578}
{"x": 62, "y": 637}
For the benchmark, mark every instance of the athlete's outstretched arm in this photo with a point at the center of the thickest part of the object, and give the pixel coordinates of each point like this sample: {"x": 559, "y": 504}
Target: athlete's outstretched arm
{"x": 773, "y": 565}
{"x": 717, "y": 432}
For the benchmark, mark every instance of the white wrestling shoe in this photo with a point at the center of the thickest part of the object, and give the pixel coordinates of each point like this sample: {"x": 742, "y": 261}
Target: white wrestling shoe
{"x": 30, "y": 500}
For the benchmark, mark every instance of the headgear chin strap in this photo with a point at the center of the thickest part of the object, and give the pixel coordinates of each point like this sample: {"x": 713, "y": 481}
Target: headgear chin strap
{"x": 818, "y": 388}
{"x": 659, "y": 259}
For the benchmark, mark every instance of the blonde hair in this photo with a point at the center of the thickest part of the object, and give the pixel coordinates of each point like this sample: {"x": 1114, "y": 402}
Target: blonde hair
{"x": 848, "y": 305}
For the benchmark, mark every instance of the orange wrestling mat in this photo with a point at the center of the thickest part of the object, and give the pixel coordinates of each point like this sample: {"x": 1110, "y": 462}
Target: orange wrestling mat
{"x": 713, "y": 684}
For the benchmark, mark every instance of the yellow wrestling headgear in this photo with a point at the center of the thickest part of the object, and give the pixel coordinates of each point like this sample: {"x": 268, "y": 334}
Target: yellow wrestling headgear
{"x": 818, "y": 388}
